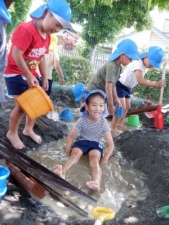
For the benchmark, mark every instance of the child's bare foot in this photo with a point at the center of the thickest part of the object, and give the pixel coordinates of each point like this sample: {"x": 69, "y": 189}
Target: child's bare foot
{"x": 116, "y": 132}
{"x": 33, "y": 136}
{"x": 15, "y": 140}
{"x": 121, "y": 126}
{"x": 58, "y": 170}
{"x": 93, "y": 185}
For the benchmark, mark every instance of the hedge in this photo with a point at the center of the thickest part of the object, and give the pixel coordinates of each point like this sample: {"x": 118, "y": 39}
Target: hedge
{"x": 75, "y": 70}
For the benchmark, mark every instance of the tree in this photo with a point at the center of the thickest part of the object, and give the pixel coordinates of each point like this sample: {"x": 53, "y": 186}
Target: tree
{"x": 102, "y": 20}
{"x": 18, "y": 10}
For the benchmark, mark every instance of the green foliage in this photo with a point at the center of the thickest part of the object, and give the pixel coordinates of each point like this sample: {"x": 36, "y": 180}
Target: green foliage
{"x": 18, "y": 11}
{"x": 103, "y": 20}
{"x": 153, "y": 93}
{"x": 162, "y": 4}
{"x": 75, "y": 70}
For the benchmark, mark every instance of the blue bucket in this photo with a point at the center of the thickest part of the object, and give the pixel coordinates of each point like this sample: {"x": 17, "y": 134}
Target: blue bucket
{"x": 4, "y": 174}
{"x": 66, "y": 115}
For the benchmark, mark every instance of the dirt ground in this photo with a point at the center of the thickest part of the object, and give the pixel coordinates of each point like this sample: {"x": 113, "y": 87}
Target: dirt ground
{"x": 145, "y": 149}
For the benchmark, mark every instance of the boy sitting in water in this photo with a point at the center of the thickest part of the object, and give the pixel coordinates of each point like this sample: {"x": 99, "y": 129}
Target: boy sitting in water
{"x": 90, "y": 129}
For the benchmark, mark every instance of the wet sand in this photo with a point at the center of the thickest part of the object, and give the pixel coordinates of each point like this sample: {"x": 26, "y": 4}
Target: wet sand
{"x": 146, "y": 150}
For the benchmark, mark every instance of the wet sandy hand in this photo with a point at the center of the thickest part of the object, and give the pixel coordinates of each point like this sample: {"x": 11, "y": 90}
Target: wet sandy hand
{"x": 58, "y": 170}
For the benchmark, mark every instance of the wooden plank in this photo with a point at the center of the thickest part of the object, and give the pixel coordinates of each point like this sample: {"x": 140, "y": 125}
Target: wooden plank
{"x": 139, "y": 110}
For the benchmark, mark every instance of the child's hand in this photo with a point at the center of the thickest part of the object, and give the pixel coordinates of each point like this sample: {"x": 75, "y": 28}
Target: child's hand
{"x": 161, "y": 83}
{"x": 45, "y": 84}
{"x": 32, "y": 81}
{"x": 111, "y": 109}
{"x": 117, "y": 101}
{"x": 103, "y": 161}
{"x": 68, "y": 151}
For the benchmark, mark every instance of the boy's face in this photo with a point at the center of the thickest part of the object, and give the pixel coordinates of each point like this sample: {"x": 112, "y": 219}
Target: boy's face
{"x": 147, "y": 63}
{"x": 95, "y": 107}
{"x": 125, "y": 60}
{"x": 50, "y": 24}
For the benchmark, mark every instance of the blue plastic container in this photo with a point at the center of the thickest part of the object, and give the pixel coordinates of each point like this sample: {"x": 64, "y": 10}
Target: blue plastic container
{"x": 66, "y": 115}
{"x": 4, "y": 174}
{"x": 118, "y": 111}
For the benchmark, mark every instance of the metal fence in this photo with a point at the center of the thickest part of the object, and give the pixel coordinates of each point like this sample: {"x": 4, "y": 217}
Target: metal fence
{"x": 98, "y": 59}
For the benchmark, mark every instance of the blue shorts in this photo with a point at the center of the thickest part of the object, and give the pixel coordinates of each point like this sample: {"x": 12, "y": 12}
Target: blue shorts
{"x": 16, "y": 85}
{"x": 122, "y": 90}
{"x": 86, "y": 146}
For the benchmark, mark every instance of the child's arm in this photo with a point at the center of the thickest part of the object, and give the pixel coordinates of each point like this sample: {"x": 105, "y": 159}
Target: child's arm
{"x": 109, "y": 150}
{"x": 115, "y": 97}
{"x": 43, "y": 72}
{"x": 59, "y": 70}
{"x": 20, "y": 62}
{"x": 70, "y": 139}
{"x": 109, "y": 94}
{"x": 143, "y": 82}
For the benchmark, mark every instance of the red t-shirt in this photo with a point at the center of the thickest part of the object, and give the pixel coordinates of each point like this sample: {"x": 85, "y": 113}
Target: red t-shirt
{"x": 27, "y": 38}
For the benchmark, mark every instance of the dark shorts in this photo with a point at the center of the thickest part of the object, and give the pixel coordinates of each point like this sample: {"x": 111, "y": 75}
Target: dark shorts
{"x": 123, "y": 91}
{"x": 17, "y": 85}
{"x": 86, "y": 146}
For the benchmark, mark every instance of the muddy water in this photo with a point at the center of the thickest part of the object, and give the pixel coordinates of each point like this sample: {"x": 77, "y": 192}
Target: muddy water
{"x": 119, "y": 181}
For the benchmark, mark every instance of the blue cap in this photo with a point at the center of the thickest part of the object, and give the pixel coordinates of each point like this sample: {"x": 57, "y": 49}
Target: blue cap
{"x": 155, "y": 55}
{"x": 79, "y": 91}
{"x": 128, "y": 47}
{"x": 4, "y": 15}
{"x": 84, "y": 112}
{"x": 60, "y": 10}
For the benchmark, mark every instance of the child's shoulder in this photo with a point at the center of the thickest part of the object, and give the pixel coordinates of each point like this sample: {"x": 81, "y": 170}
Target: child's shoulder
{"x": 25, "y": 25}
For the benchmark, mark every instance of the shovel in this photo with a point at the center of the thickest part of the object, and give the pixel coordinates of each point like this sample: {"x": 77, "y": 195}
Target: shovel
{"x": 158, "y": 115}
{"x": 102, "y": 214}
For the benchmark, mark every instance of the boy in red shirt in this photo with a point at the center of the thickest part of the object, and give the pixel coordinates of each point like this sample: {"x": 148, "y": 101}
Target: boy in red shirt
{"x": 30, "y": 42}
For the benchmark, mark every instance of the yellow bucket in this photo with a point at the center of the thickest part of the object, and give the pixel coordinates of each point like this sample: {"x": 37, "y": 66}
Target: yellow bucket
{"x": 35, "y": 102}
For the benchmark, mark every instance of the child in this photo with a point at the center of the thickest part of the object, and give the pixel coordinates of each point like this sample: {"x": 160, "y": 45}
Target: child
{"x": 30, "y": 42}
{"x": 4, "y": 19}
{"x": 52, "y": 61}
{"x": 89, "y": 129}
{"x": 133, "y": 75}
{"x": 107, "y": 76}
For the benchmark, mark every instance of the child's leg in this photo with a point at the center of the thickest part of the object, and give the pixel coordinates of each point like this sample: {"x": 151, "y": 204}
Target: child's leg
{"x": 14, "y": 121}
{"x": 28, "y": 130}
{"x": 74, "y": 157}
{"x": 114, "y": 124}
{"x": 126, "y": 105}
{"x": 116, "y": 121}
{"x": 94, "y": 158}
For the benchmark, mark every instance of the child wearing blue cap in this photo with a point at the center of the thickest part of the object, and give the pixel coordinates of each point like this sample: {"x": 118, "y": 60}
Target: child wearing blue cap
{"x": 4, "y": 19}
{"x": 107, "y": 76}
{"x": 30, "y": 42}
{"x": 133, "y": 75}
{"x": 89, "y": 130}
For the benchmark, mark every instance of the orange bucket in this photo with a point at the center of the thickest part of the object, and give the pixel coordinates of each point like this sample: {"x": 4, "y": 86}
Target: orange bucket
{"x": 35, "y": 102}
